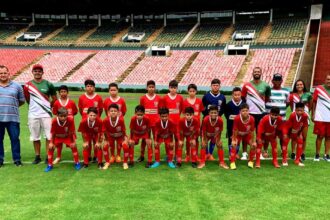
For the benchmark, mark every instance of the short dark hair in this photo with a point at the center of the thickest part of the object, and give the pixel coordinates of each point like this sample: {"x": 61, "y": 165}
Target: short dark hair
{"x": 173, "y": 83}
{"x": 63, "y": 87}
{"x": 151, "y": 82}
{"x": 213, "y": 107}
{"x": 244, "y": 106}
{"x": 236, "y": 89}
{"x": 295, "y": 86}
{"x": 215, "y": 81}
{"x": 275, "y": 110}
{"x": 113, "y": 85}
{"x": 192, "y": 86}
{"x": 300, "y": 105}
{"x": 163, "y": 111}
{"x": 92, "y": 109}
{"x": 62, "y": 111}
{"x": 189, "y": 110}
{"x": 113, "y": 105}
{"x": 89, "y": 82}
{"x": 139, "y": 108}
{"x": 4, "y": 67}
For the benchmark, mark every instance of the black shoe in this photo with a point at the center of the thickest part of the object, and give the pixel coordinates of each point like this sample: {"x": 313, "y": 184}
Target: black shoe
{"x": 194, "y": 165}
{"x": 178, "y": 165}
{"x": 94, "y": 160}
{"x": 18, "y": 163}
{"x": 1, "y": 164}
{"x": 85, "y": 165}
{"x": 131, "y": 164}
{"x": 148, "y": 165}
{"x": 303, "y": 157}
{"x": 293, "y": 156}
{"x": 89, "y": 159}
{"x": 140, "y": 159}
{"x": 100, "y": 165}
{"x": 37, "y": 160}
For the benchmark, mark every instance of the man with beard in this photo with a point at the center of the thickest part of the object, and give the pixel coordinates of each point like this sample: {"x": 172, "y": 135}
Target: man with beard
{"x": 257, "y": 94}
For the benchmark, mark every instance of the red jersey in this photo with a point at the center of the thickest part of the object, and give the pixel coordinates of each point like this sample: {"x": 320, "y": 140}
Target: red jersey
{"x": 119, "y": 101}
{"x": 212, "y": 129}
{"x": 174, "y": 104}
{"x": 70, "y": 105}
{"x": 64, "y": 133}
{"x": 197, "y": 106}
{"x": 266, "y": 128}
{"x": 151, "y": 105}
{"x": 294, "y": 125}
{"x": 139, "y": 129}
{"x": 166, "y": 130}
{"x": 189, "y": 130}
{"x": 86, "y": 101}
{"x": 243, "y": 128}
{"x": 116, "y": 129}
{"x": 91, "y": 129}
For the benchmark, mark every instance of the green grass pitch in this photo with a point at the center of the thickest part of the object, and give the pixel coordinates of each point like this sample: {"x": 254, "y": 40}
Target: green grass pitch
{"x": 28, "y": 192}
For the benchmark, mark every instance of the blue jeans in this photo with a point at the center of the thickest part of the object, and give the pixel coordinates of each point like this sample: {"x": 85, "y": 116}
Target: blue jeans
{"x": 13, "y": 131}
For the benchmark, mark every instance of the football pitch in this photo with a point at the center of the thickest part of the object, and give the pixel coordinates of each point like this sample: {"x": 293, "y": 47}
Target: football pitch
{"x": 291, "y": 192}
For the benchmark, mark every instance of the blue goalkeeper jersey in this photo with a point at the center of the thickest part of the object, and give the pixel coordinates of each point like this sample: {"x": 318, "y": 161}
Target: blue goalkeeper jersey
{"x": 217, "y": 100}
{"x": 231, "y": 110}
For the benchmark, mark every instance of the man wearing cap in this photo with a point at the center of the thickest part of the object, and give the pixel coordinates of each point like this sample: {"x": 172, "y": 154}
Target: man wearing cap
{"x": 37, "y": 93}
{"x": 11, "y": 98}
{"x": 279, "y": 98}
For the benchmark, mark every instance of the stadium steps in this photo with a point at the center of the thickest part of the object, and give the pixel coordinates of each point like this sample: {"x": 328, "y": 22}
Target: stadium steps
{"x": 185, "y": 68}
{"x": 265, "y": 33}
{"x": 53, "y": 34}
{"x": 226, "y": 36}
{"x": 119, "y": 35}
{"x": 308, "y": 60}
{"x": 130, "y": 68}
{"x": 85, "y": 36}
{"x": 240, "y": 76}
{"x": 12, "y": 38}
{"x": 64, "y": 78}
{"x": 292, "y": 72}
{"x": 153, "y": 36}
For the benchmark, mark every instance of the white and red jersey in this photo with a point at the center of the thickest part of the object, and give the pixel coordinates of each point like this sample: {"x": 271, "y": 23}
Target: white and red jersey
{"x": 63, "y": 131}
{"x": 321, "y": 97}
{"x": 174, "y": 105}
{"x": 295, "y": 124}
{"x": 151, "y": 105}
{"x": 69, "y": 104}
{"x": 119, "y": 101}
{"x": 196, "y": 104}
{"x": 212, "y": 129}
{"x": 139, "y": 128}
{"x": 86, "y": 101}
{"x": 268, "y": 128}
{"x": 166, "y": 130}
{"x": 114, "y": 129}
{"x": 189, "y": 129}
{"x": 243, "y": 128}
{"x": 92, "y": 130}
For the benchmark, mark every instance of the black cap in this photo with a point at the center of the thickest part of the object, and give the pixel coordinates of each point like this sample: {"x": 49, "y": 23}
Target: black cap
{"x": 277, "y": 77}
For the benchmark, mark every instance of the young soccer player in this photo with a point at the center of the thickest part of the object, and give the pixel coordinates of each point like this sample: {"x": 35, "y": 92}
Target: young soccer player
{"x": 212, "y": 127}
{"x": 174, "y": 102}
{"x": 189, "y": 130}
{"x": 140, "y": 129}
{"x": 62, "y": 132}
{"x": 213, "y": 97}
{"x": 91, "y": 132}
{"x": 232, "y": 109}
{"x": 166, "y": 131}
{"x": 243, "y": 131}
{"x": 151, "y": 102}
{"x": 115, "y": 132}
{"x": 295, "y": 128}
{"x": 197, "y": 105}
{"x": 67, "y": 103}
{"x": 269, "y": 126}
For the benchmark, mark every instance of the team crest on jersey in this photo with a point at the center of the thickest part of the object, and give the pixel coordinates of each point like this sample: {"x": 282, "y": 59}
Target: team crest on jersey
{"x": 96, "y": 104}
{"x": 156, "y": 104}
{"x": 219, "y": 102}
{"x": 118, "y": 128}
{"x": 216, "y": 129}
{"x": 144, "y": 127}
{"x": 70, "y": 111}
{"x": 191, "y": 128}
{"x": 96, "y": 129}
{"x": 178, "y": 105}
{"x": 301, "y": 124}
{"x": 197, "y": 107}
{"x": 66, "y": 129}
{"x": 248, "y": 128}
{"x": 119, "y": 106}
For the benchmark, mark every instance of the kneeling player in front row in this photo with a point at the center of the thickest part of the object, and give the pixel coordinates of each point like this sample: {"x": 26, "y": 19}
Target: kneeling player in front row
{"x": 91, "y": 131}
{"x": 62, "y": 132}
{"x": 295, "y": 128}
{"x": 189, "y": 130}
{"x": 166, "y": 130}
{"x": 140, "y": 129}
{"x": 243, "y": 131}
{"x": 211, "y": 131}
{"x": 268, "y": 127}
{"x": 114, "y": 132}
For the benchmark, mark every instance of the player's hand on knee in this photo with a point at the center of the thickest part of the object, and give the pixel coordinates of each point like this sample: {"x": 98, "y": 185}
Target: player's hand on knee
{"x": 72, "y": 145}
{"x": 193, "y": 143}
{"x": 51, "y": 146}
{"x": 85, "y": 145}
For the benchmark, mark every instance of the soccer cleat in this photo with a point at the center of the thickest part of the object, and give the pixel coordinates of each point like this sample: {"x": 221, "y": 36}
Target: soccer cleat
{"x": 223, "y": 165}
{"x": 194, "y": 165}
{"x": 155, "y": 165}
{"x": 244, "y": 156}
{"x": 125, "y": 166}
{"x": 37, "y": 160}
{"x": 300, "y": 164}
{"x": 48, "y": 168}
{"x": 118, "y": 159}
{"x": 187, "y": 159}
{"x": 57, "y": 160}
{"x": 285, "y": 163}
{"x": 265, "y": 154}
{"x": 317, "y": 158}
{"x": 18, "y": 163}
{"x": 250, "y": 164}
{"x": 100, "y": 165}
{"x": 171, "y": 165}
{"x": 276, "y": 165}
{"x": 178, "y": 165}
{"x": 77, "y": 166}
{"x": 257, "y": 165}
{"x": 140, "y": 159}
{"x": 85, "y": 166}
{"x": 303, "y": 157}
{"x": 326, "y": 157}
{"x": 201, "y": 165}
{"x": 94, "y": 160}
{"x": 262, "y": 157}
{"x": 233, "y": 166}
{"x": 106, "y": 166}
{"x": 293, "y": 156}
{"x": 211, "y": 158}
{"x": 112, "y": 159}
{"x": 89, "y": 159}
{"x": 148, "y": 165}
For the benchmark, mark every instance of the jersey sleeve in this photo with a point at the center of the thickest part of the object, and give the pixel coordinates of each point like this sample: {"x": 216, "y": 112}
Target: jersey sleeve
{"x": 244, "y": 91}
{"x": 52, "y": 90}
{"x": 315, "y": 95}
{"x": 220, "y": 123}
{"x": 55, "y": 107}
{"x": 124, "y": 108}
{"x": 74, "y": 107}
{"x": 223, "y": 106}
{"x": 235, "y": 124}
{"x": 100, "y": 105}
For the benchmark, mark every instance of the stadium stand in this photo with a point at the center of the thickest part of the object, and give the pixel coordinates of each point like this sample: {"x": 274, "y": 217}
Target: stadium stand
{"x": 71, "y": 33}
{"x": 45, "y": 29}
{"x": 6, "y": 30}
{"x": 106, "y": 32}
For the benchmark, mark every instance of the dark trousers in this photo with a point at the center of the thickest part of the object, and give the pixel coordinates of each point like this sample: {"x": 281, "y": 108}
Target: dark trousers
{"x": 13, "y": 130}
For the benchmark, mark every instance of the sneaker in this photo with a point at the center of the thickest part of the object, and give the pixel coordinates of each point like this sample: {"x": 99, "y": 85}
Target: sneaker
{"x": 155, "y": 165}
{"x": 285, "y": 163}
{"x": 18, "y": 163}
{"x": 211, "y": 158}
{"x": 125, "y": 166}
{"x": 100, "y": 165}
{"x": 317, "y": 158}
{"x": 178, "y": 165}
{"x": 244, "y": 156}
{"x": 85, "y": 166}
{"x": 112, "y": 159}
{"x": 326, "y": 157}
{"x": 300, "y": 164}
{"x": 37, "y": 160}
{"x": 262, "y": 157}
{"x": 94, "y": 160}
{"x": 118, "y": 159}
{"x": 171, "y": 165}
{"x": 194, "y": 165}
{"x": 201, "y": 165}
{"x": 140, "y": 159}
{"x": 48, "y": 168}
{"x": 77, "y": 166}
{"x": 293, "y": 156}
{"x": 258, "y": 165}
{"x": 223, "y": 165}
{"x": 187, "y": 159}
{"x": 250, "y": 164}
{"x": 89, "y": 159}
{"x": 265, "y": 154}
{"x": 148, "y": 165}
{"x": 303, "y": 157}
{"x": 57, "y": 160}
{"x": 106, "y": 166}
{"x": 233, "y": 166}
{"x": 131, "y": 164}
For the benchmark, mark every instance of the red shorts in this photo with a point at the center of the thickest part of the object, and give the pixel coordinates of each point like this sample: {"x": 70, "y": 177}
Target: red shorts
{"x": 245, "y": 139}
{"x": 60, "y": 141}
{"x": 166, "y": 141}
{"x": 322, "y": 128}
{"x": 136, "y": 138}
{"x": 119, "y": 141}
